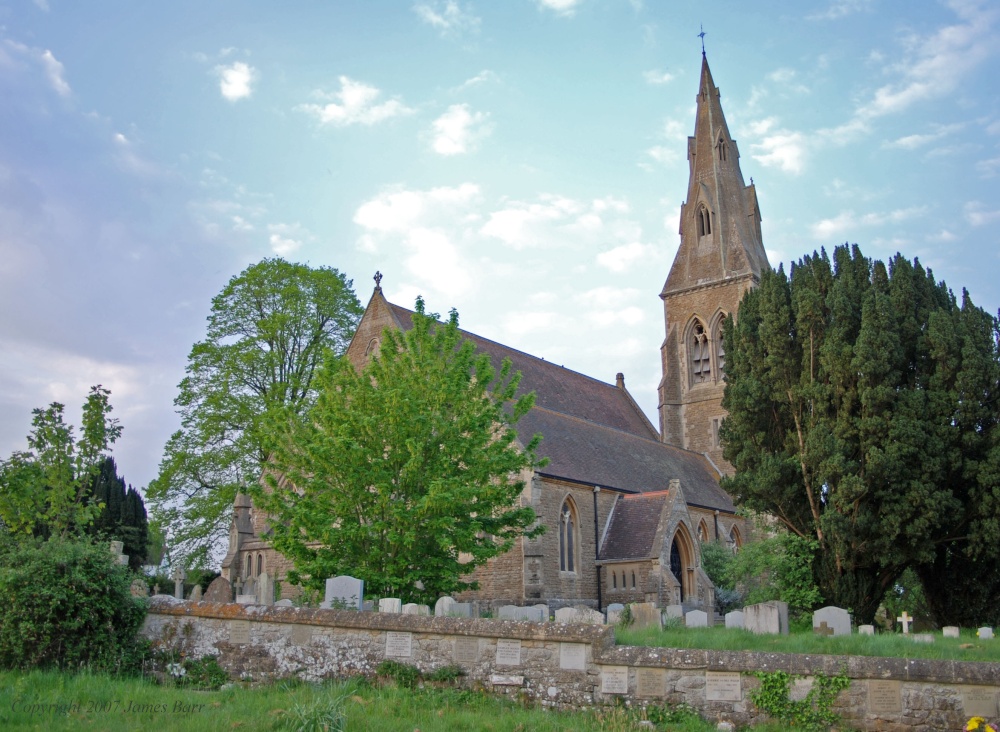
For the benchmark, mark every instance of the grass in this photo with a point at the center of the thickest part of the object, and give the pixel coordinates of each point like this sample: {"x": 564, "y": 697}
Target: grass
{"x": 889, "y": 645}
{"x": 111, "y": 704}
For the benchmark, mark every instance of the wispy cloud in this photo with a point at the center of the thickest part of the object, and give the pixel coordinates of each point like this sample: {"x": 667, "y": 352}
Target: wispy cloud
{"x": 355, "y": 103}
{"x": 236, "y": 80}
{"x": 777, "y": 147}
{"x": 847, "y": 221}
{"x": 626, "y": 256}
{"x": 483, "y": 77}
{"x": 977, "y": 214}
{"x": 287, "y": 238}
{"x": 459, "y": 130}
{"x": 448, "y": 17}
{"x": 841, "y": 8}
{"x": 565, "y": 8}
{"x": 55, "y": 70}
{"x": 912, "y": 142}
{"x": 657, "y": 77}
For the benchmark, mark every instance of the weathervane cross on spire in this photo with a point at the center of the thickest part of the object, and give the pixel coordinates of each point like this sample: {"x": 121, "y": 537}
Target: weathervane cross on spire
{"x": 702, "y": 37}
{"x": 378, "y": 280}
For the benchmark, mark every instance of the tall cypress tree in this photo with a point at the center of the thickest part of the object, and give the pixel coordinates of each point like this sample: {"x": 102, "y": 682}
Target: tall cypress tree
{"x": 123, "y": 517}
{"x": 862, "y": 413}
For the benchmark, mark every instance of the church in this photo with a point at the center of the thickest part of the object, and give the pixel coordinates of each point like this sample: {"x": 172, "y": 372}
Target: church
{"x": 626, "y": 503}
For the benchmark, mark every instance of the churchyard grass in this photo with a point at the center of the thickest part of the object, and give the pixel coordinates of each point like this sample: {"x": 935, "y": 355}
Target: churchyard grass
{"x": 883, "y": 644}
{"x": 114, "y": 704}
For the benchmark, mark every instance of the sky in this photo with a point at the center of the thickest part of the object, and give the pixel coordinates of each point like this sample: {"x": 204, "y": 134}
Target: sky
{"x": 523, "y": 162}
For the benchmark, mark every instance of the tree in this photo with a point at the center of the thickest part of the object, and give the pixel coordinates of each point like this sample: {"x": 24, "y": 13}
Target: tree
{"x": 863, "y": 415}
{"x": 407, "y": 473}
{"x": 123, "y": 516}
{"x": 268, "y": 331}
{"x": 44, "y": 491}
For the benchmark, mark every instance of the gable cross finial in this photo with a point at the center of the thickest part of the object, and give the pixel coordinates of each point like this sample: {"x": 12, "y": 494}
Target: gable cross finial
{"x": 378, "y": 280}
{"x": 702, "y": 37}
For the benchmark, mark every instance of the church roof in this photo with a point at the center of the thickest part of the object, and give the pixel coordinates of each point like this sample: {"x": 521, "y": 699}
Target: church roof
{"x": 633, "y": 525}
{"x": 594, "y": 433}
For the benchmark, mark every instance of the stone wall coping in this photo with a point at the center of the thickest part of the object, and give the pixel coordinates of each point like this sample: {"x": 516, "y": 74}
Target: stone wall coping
{"x": 602, "y": 638}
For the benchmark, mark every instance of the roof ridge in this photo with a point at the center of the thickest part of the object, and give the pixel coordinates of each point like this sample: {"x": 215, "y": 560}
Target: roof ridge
{"x": 650, "y": 494}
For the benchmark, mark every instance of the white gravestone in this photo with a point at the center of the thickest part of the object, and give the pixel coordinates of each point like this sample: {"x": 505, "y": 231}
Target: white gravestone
{"x": 265, "y": 589}
{"x": 837, "y": 619}
{"x": 398, "y": 645}
{"x": 344, "y": 592}
{"x": 734, "y": 619}
{"x": 508, "y": 652}
{"x": 535, "y": 613}
{"x": 866, "y": 630}
{"x": 922, "y": 638}
{"x": 573, "y": 656}
{"x": 390, "y": 605}
{"x": 673, "y": 611}
{"x": 696, "y": 619}
{"x": 723, "y": 686}
{"x": 766, "y": 618}
{"x": 950, "y": 631}
{"x": 462, "y": 610}
{"x": 443, "y": 606}
{"x": 412, "y": 608}
{"x": 614, "y": 679}
{"x": 615, "y": 613}
{"x": 985, "y": 633}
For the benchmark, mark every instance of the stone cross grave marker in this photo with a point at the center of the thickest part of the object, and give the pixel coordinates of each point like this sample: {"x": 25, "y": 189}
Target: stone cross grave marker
{"x": 905, "y": 620}
{"x": 344, "y": 593}
{"x": 178, "y": 576}
{"x": 823, "y": 629}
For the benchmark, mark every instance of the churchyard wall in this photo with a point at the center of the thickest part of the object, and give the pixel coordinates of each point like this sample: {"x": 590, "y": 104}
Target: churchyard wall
{"x": 565, "y": 665}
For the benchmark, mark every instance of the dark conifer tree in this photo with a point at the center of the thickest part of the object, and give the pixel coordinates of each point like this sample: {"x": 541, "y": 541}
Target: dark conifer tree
{"x": 124, "y": 515}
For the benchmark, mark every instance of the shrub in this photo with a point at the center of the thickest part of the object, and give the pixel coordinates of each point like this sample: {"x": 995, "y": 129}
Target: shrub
{"x": 403, "y": 674}
{"x": 67, "y": 605}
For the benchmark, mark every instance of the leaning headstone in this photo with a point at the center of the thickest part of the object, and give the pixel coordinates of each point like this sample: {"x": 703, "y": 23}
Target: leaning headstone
{"x": 766, "y": 618}
{"x": 645, "y": 615}
{"x": 177, "y": 576}
{"x": 390, "y": 605}
{"x": 866, "y": 630}
{"x": 344, "y": 593}
{"x": 950, "y": 631}
{"x": 265, "y": 589}
{"x": 673, "y": 611}
{"x": 219, "y": 591}
{"x": 734, "y": 619}
{"x": 195, "y": 595}
{"x": 696, "y": 619}
{"x": 984, "y": 633}
{"x": 139, "y": 588}
{"x": 442, "y": 608}
{"x": 412, "y": 608}
{"x": 837, "y": 620}
{"x": 615, "y": 610}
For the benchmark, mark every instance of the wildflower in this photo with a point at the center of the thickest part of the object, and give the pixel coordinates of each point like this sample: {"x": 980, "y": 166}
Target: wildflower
{"x": 980, "y": 724}
{"x": 178, "y": 671}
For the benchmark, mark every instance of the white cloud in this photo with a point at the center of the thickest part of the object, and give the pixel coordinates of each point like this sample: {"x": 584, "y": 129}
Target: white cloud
{"x": 977, "y": 215}
{"x": 459, "y": 130}
{"x": 626, "y": 256}
{"x": 656, "y": 77}
{"x": 355, "y": 103}
{"x": 287, "y": 238}
{"x": 42, "y": 5}
{"x": 847, "y": 221}
{"x": 841, "y": 8}
{"x": 129, "y": 160}
{"x": 988, "y": 168}
{"x": 782, "y": 149}
{"x": 448, "y": 17}
{"x": 236, "y": 80}
{"x": 54, "y": 71}
{"x": 483, "y": 77}
{"x": 397, "y": 210}
{"x": 565, "y": 8}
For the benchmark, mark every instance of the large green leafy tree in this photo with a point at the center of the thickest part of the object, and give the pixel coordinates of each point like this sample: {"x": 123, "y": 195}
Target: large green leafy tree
{"x": 123, "y": 516}
{"x": 863, "y": 415}
{"x": 268, "y": 332}
{"x": 407, "y": 473}
{"x": 44, "y": 491}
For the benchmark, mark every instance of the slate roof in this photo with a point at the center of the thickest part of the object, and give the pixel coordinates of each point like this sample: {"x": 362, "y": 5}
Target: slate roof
{"x": 595, "y": 434}
{"x": 633, "y": 526}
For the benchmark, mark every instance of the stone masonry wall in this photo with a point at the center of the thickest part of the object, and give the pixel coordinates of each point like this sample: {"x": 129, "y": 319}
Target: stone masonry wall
{"x": 564, "y": 665}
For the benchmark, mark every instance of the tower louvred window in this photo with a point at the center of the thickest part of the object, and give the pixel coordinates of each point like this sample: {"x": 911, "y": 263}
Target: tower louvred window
{"x": 704, "y": 221}
{"x": 701, "y": 356}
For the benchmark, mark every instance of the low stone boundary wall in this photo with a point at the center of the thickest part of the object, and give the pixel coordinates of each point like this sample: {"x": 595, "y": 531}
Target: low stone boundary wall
{"x": 565, "y": 665}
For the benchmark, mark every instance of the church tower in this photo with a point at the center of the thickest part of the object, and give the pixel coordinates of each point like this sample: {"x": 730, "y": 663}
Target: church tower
{"x": 720, "y": 257}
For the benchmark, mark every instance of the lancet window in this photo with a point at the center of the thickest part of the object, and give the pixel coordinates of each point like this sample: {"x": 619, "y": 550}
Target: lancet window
{"x": 701, "y": 354}
{"x": 568, "y": 539}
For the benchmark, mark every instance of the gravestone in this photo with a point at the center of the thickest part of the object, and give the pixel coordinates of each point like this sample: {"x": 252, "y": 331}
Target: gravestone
{"x": 139, "y": 588}
{"x": 219, "y": 591}
{"x": 673, "y": 611}
{"x": 466, "y": 650}
{"x": 866, "y": 630}
{"x": 195, "y": 595}
{"x": 579, "y": 615}
{"x": 985, "y": 633}
{"x": 265, "y": 589}
{"x": 650, "y": 682}
{"x": 696, "y": 619}
{"x": 614, "y": 679}
{"x": 723, "y": 686}
{"x": 284, "y": 603}
{"x": 922, "y": 638}
{"x": 116, "y": 551}
{"x": 645, "y": 615}
{"x": 412, "y": 608}
{"x": 443, "y": 606}
{"x": 243, "y": 599}
{"x": 399, "y": 645}
{"x": 344, "y": 593}
{"x": 905, "y": 620}
{"x": 950, "y": 631}
{"x": 535, "y": 613}
{"x": 390, "y": 605}
{"x": 573, "y": 656}
{"x": 734, "y": 619}
{"x": 837, "y": 620}
{"x": 615, "y": 613}
{"x": 463, "y": 610}
{"x": 885, "y": 696}
{"x": 249, "y": 587}
{"x": 766, "y": 618}
{"x": 508, "y": 652}
{"x": 177, "y": 576}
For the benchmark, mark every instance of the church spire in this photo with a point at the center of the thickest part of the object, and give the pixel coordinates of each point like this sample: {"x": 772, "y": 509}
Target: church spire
{"x": 720, "y": 221}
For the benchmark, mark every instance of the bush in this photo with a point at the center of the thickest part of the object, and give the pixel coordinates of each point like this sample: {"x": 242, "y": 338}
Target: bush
{"x": 778, "y": 567}
{"x": 66, "y": 605}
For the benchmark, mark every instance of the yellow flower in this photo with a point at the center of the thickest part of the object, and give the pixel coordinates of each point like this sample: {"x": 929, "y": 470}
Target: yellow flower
{"x": 974, "y": 723}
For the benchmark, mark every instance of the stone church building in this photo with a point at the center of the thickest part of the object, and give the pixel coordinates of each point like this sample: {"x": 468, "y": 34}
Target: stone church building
{"x": 626, "y": 503}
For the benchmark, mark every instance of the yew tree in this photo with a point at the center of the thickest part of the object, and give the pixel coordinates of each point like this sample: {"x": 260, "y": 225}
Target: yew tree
{"x": 863, "y": 415}
{"x": 406, "y": 473}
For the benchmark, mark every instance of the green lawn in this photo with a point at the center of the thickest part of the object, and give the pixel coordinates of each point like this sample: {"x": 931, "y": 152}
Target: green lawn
{"x": 112, "y": 703}
{"x": 731, "y": 639}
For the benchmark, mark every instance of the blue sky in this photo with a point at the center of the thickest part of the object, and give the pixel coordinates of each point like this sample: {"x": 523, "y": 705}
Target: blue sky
{"x": 522, "y": 161}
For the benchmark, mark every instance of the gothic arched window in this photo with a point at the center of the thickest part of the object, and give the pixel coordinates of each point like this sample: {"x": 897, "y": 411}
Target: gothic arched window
{"x": 260, "y": 564}
{"x": 720, "y": 351}
{"x": 249, "y": 572}
{"x": 568, "y": 540}
{"x": 701, "y": 354}
{"x": 614, "y": 580}
{"x": 704, "y": 221}
{"x": 633, "y": 580}
{"x": 702, "y": 532}
{"x": 721, "y": 147}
